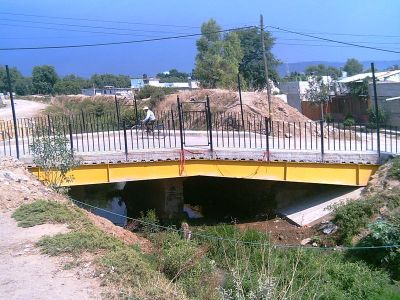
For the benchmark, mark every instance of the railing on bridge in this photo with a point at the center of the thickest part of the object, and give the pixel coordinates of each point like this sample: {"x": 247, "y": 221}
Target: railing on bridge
{"x": 91, "y": 132}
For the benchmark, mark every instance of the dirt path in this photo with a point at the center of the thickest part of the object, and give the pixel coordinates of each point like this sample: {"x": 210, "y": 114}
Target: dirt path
{"x": 27, "y": 274}
{"x": 23, "y": 109}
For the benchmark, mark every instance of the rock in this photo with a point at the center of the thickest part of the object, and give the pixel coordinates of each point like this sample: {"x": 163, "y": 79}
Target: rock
{"x": 280, "y": 237}
{"x": 328, "y": 227}
{"x": 305, "y": 241}
{"x": 13, "y": 177}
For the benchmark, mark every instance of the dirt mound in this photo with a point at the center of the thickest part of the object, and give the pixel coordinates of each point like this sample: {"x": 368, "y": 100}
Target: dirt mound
{"x": 125, "y": 235}
{"x": 228, "y": 101}
{"x": 18, "y": 187}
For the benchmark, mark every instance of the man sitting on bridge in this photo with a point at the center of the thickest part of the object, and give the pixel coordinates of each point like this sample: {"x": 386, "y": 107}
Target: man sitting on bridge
{"x": 149, "y": 120}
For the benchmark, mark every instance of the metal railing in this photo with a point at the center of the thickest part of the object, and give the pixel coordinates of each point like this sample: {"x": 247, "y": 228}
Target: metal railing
{"x": 90, "y": 132}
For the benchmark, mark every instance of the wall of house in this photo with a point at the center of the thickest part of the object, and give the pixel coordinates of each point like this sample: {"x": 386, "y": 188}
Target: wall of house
{"x": 384, "y": 91}
{"x": 339, "y": 107}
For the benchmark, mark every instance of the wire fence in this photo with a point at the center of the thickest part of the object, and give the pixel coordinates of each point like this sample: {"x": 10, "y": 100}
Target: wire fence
{"x": 178, "y": 129}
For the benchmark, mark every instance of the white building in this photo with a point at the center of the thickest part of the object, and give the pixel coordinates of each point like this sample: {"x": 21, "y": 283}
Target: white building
{"x": 138, "y": 83}
{"x": 108, "y": 90}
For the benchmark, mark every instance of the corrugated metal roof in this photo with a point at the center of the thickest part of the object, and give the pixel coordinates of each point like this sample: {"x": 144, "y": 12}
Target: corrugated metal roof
{"x": 362, "y": 76}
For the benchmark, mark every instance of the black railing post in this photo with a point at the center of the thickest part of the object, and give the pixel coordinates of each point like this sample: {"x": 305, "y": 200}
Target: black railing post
{"x": 125, "y": 140}
{"x": 71, "y": 142}
{"x": 136, "y": 111}
{"x": 267, "y": 136}
{"x": 83, "y": 122}
{"x": 209, "y": 123}
{"x": 180, "y": 120}
{"x": 117, "y": 111}
{"x": 49, "y": 124}
{"x": 321, "y": 126}
{"x": 13, "y": 111}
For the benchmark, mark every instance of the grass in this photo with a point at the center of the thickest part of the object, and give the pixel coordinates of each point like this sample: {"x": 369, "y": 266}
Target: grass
{"x": 208, "y": 268}
{"x": 124, "y": 267}
{"x": 41, "y": 212}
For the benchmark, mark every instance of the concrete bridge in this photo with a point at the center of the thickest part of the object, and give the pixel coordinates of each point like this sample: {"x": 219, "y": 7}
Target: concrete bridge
{"x": 188, "y": 143}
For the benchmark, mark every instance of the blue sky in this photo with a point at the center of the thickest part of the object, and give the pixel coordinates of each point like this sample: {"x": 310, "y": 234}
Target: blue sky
{"x": 377, "y": 22}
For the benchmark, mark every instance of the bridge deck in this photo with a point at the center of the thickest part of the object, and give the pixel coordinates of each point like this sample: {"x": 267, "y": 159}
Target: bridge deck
{"x": 352, "y": 169}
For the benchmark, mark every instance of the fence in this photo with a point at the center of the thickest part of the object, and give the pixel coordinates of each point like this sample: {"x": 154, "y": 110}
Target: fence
{"x": 108, "y": 133}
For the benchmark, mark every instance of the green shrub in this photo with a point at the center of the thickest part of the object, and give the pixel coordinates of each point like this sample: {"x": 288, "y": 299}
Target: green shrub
{"x": 148, "y": 220}
{"x": 349, "y": 121}
{"x": 382, "y": 117}
{"x": 329, "y": 118}
{"x": 351, "y": 218}
{"x": 383, "y": 233}
{"x": 394, "y": 170}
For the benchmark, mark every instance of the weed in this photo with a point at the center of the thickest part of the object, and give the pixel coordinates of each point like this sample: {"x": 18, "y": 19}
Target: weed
{"x": 394, "y": 171}
{"x": 88, "y": 239}
{"x": 41, "y": 212}
{"x": 146, "y": 221}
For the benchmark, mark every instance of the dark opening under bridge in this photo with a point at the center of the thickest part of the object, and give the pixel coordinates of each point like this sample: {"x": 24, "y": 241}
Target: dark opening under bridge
{"x": 191, "y": 140}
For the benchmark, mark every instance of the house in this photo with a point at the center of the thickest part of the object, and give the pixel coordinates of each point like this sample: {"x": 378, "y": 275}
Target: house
{"x": 386, "y": 76}
{"x": 296, "y": 91}
{"x": 388, "y": 96}
{"x": 108, "y": 90}
{"x": 139, "y": 83}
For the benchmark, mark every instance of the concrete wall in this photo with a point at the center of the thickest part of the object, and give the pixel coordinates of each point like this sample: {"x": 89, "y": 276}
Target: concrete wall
{"x": 295, "y": 91}
{"x": 392, "y": 108}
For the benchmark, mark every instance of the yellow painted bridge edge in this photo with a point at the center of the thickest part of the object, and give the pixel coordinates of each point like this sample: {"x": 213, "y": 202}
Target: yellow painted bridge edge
{"x": 321, "y": 173}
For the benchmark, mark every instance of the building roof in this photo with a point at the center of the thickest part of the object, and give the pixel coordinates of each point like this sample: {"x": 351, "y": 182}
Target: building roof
{"x": 362, "y": 76}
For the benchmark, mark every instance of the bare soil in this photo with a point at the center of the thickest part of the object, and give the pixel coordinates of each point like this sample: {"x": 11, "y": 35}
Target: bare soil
{"x": 228, "y": 101}
{"x": 23, "y": 109}
{"x": 27, "y": 274}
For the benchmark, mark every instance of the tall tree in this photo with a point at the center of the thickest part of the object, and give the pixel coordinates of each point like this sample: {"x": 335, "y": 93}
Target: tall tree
{"x": 218, "y": 57}
{"x": 209, "y": 57}
{"x": 251, "y": 65}
{"x": 353, "y": 67}
{"x": 322, "y": 70}
{"x": 173, "y": 75}
{"x": 15, "y": 76}
{"x": 233, "y": 55}
{"x": 43, "y": 79}
{"x": 119, "y": 81}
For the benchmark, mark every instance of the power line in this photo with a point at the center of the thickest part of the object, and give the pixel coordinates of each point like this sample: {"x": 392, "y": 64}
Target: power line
{"x": 91, "y": 26}
{"x": 335, "y": 41}
{"x": 358, "y": 42}
{"x": 348, "y": 34}
{"x": 119, "y": 43}
{"x": 72, "y": 30}
{"x": 216, "y": 237}
{"x": 100, "y": 20}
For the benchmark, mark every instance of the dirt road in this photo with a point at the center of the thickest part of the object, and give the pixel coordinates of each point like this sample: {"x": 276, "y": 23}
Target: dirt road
{"x": 23, "y": 109}
{"x": 27, "y": 274}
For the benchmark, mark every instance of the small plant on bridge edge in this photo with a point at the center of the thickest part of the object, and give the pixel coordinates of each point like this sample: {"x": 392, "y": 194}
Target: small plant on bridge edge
{"x": 52, "y": 154}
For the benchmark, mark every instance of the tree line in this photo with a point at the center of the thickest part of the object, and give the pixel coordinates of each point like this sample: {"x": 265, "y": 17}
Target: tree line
{"x": 45, "y": 80}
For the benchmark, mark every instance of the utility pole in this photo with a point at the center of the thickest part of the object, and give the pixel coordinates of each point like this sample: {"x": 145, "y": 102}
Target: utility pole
{"x": 265, "y": 66}
{"x": 13, "y": 110}
{"x": 240, "y": 99}
{"x": 378, "y": 142}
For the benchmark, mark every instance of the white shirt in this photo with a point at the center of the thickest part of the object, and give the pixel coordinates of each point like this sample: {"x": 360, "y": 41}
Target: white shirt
{"x": 149, "y": 116}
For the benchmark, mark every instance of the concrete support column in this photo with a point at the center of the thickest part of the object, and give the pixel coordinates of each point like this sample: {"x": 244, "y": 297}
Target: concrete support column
{"x": 173, "y": 197}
